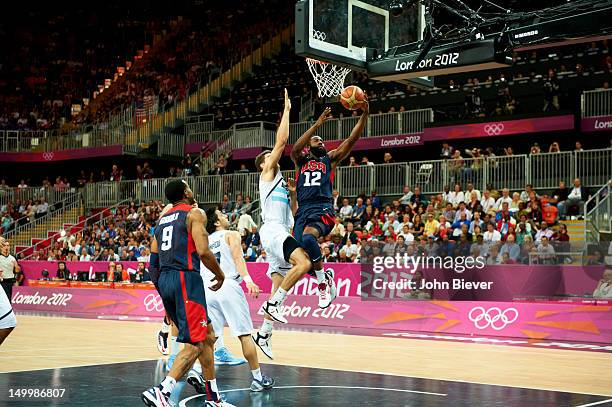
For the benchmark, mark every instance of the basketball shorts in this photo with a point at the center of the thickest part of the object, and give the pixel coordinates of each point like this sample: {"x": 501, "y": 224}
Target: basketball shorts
{"x": 317, "y": 216}
{"x": 229, "y": 305}
{"x": 183, "y": 295}
{"x": 7, "y": 316}
{"x": 273, "y": 238}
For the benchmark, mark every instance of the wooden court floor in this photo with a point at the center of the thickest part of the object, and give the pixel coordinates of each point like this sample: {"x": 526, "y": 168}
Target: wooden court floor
{"x": 53, "y": 342}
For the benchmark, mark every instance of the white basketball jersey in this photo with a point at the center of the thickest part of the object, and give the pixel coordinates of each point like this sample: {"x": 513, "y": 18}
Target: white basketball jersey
{"x": 223, "y": 254}
{"x": 274, "y": 199}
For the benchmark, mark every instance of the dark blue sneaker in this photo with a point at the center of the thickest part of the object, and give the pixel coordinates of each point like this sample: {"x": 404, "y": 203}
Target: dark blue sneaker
{"x": 265, "y": 383}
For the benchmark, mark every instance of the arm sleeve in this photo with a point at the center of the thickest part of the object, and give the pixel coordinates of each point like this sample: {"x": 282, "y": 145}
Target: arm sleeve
{"x": 154, "y": 268}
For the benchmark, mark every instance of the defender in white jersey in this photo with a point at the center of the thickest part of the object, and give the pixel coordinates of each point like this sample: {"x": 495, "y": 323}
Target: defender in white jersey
{"x": 229, "y": 303}
{"x": 288, "y": 261}
{"x": 8, "y": 321}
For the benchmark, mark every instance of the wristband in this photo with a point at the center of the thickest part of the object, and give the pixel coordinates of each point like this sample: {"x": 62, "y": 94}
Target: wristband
{"x": 248, "y": 279}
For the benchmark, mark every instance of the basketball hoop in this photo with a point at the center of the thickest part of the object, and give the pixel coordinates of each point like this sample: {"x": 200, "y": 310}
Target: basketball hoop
{"x": 328, "y": 77}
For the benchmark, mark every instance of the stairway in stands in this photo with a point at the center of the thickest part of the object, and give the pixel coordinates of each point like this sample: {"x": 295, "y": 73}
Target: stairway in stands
{"x": 576, "y": 230}
{"x": 45, "y": 228}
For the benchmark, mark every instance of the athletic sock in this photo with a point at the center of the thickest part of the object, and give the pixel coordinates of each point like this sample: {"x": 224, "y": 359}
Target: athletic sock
{"x": 219, "y": 343}
{"x": 174, "y": 346}
{"x": 211, "y": 386}
{"x": 257, "y": 374}
{"x": 167, "y": 385}
{"x": 320, "y": 276}
{"x": 165, "y": 326}
{"x": 279, "y": 296}
{"x": 266, "y": 326}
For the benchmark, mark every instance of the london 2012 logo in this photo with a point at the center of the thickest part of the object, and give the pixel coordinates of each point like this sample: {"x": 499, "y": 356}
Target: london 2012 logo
{"x": 493, "y": 317}
{"x": 494, "y": 129}
{"x": 153, "y": 302}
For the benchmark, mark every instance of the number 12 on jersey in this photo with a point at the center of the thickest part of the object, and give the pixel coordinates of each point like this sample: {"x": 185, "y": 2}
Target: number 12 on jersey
{"x": 313, "y": 179}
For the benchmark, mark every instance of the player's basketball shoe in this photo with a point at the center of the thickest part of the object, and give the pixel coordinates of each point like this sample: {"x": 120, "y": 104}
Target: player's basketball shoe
{"x": 162, "y": 343}
{"x": 275, "y": 311}
{"x": 327, "y": 289}
{"x": 223, "y": 357}
{"x": 154, "y": 397}
{"x": 265, "y": 383}
{"x": 199, "y": 384}
{"x": 264, "y": 343}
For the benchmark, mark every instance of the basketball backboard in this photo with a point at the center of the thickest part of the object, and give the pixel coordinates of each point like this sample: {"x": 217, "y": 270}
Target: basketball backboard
{"x": 352, "y": 32}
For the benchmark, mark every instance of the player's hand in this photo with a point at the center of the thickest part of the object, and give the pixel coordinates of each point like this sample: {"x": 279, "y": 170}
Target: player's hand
{"x": 325, "y": 116}
{"x": 291, "y": 184}
{"x": 253, "y": 289}
{"x": 218, "y": 281}
{"x": 287, "y": 101}
{"x": 365, "y": 106}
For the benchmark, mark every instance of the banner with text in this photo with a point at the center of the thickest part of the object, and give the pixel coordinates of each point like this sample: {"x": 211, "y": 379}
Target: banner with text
{"x": 552, "y": 321}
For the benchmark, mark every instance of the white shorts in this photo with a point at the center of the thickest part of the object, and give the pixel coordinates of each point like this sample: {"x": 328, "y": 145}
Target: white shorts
{"x": 273, "y": 237}
{"x": 229, "y": 304}
{"x": 7, "y": 316}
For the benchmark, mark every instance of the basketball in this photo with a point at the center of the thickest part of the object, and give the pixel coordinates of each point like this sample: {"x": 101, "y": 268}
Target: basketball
{"x": 352, "y": 97}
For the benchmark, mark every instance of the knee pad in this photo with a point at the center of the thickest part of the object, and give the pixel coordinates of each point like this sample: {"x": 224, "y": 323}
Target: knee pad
{"x": 289, "y": 246}
{"x": 309, "y": 243}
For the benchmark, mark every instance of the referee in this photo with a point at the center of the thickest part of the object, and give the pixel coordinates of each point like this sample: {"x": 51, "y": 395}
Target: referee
{"x": 8, "y": 267}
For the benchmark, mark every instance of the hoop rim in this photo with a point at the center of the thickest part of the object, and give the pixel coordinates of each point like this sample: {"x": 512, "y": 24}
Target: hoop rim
{"x": 316, "y": 61}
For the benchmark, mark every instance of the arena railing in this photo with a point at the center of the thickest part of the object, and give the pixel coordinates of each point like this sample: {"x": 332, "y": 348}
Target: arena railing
{"x": 382, "y": 124}
{"x": 199, "y": 124}
{"x": 34, "y": 193}
{"x": 543, "y": 171}
{"x": 99, "y": 217}
{"x": 170, "y": 144}
{"x": 598, "y": 213}
{"x": 596, "y": 103}
{"x": 59, "y": 214}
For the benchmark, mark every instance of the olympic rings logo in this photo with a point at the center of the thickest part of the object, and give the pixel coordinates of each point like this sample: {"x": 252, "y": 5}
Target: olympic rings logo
{"x": 153, "y": 302}
{"x": 318, "y": 35}
{"x": 493, "y": 317}
{"x": 494, "y": 129}
{"x": 48, "y": 156}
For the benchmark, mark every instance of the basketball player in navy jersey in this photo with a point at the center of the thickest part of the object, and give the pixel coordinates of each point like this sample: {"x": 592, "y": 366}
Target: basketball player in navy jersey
{"x": 180, "y": 242}
{"x": 315, "y": 175}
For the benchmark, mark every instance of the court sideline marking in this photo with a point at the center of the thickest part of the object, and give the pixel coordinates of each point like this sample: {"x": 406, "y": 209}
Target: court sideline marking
{"x": 441, "y": 379}
{"x": 596, "y": 403}
{"x": 183, "y": 403}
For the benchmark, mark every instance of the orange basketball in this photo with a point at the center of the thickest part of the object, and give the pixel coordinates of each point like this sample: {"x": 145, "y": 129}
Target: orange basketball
{"x": 352, "y": 97}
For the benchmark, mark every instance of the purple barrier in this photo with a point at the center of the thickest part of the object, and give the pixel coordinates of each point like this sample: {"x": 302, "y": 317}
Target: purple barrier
{"x": 573, "y": 322}
{"x": 472, "y": 130}
{"x": 502, "y": 128}
{"x": 508, "y": 282}
{"x": 593, "y": 124}
{"x": 32, "y": 269}
{"x": 62, "y": 155}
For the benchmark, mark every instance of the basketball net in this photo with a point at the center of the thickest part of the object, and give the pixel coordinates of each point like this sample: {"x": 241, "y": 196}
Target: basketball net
{"x": 328, "y": 77}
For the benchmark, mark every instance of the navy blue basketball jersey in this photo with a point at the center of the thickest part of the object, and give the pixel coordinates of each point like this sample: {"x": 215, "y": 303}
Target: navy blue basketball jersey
{"x": 175, "y": 245}
{"x": 314, "y": 180}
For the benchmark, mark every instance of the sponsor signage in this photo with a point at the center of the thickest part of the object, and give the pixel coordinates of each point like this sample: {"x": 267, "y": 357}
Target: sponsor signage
{"x": 567, "y": 322}
{"x": 596, "y": 124}
{"x": 62, "y": 155}
{"x": 501, "y": 128}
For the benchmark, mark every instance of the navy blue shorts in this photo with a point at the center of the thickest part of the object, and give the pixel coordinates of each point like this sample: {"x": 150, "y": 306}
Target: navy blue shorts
{"x": 320, "y": 217}
{"x": 183, "y": 295}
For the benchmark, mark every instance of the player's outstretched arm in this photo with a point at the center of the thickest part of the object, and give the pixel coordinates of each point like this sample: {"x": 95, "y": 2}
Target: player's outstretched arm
{"x": 233, "y": 240}
{"x": 282, "y": 136}
{"x": 344, "y": 149}
{"x": 304, "y": 139}
{"x": 292, "y": 195}
{"x": 196, "y": 222}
